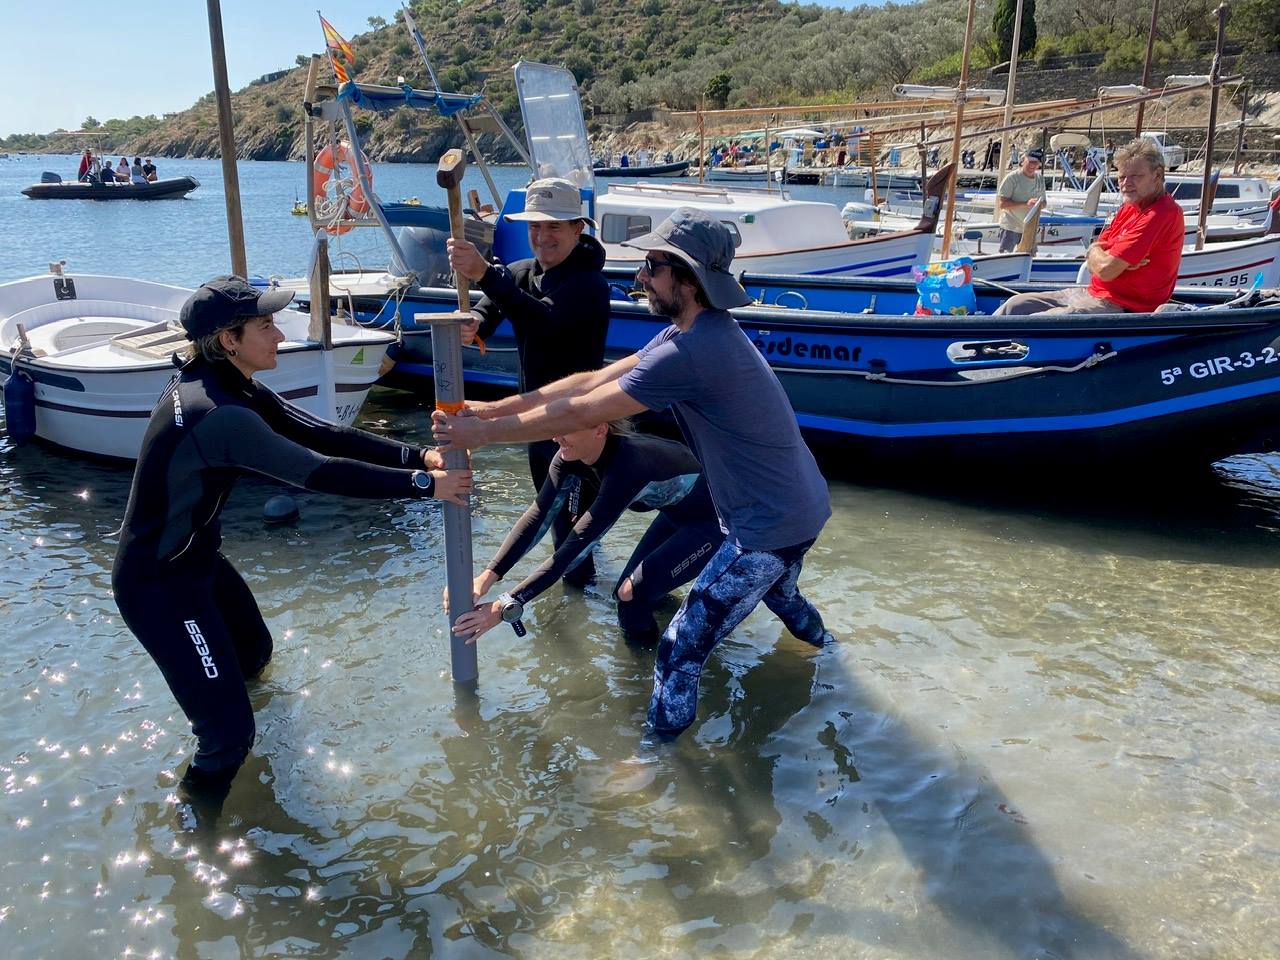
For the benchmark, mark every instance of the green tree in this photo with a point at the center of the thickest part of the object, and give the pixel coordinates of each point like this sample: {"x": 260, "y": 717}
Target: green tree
{"x": 1263, "y": 18}
{"x": 377, "y": 22}
{"x": 1002, "y": 26}
{"x": 718, "y": 88}
{"x": 90, "y": 123}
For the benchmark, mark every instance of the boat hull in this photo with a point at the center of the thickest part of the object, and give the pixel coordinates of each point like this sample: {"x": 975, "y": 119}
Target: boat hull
{"x": 676, "y": 169}
{"x": 1001, "y": 392}
{"x": 94, "y": 394}
{"x": 882, "y": 256}
{"x": 1230, "y": 264}
{"x": 159, "y": 190}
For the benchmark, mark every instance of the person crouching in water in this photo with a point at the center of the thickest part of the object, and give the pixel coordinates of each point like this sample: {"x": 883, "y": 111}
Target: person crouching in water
{"x": 631, "y": 471}
{"x": 178, "y": 594}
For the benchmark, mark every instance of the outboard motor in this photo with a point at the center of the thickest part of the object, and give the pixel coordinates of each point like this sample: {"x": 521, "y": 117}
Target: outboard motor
{"x": 421, "y": 232}
{"x": 425, "y": 253}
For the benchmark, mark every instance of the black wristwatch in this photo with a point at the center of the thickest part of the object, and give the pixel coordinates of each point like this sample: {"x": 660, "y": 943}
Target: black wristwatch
{"x": 512, "y": 612}
{"x": 423, "y": 482}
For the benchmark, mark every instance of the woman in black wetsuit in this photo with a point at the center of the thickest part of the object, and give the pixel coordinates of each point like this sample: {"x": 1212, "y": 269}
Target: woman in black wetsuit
{"x": 632, "y": 471}
{"x": 176, "y": 591}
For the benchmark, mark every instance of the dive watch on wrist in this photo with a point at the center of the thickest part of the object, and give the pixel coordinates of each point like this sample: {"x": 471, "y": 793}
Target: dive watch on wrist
{"x": 512, "y": 612}
{"x": 423, "y": 482}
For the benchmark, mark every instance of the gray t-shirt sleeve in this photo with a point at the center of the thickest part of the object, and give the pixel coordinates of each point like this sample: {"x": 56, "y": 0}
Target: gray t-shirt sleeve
{"x": 664, "y": 375}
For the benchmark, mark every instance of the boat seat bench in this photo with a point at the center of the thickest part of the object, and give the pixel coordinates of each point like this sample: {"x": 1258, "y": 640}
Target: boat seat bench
{"x": 95, "y": 324}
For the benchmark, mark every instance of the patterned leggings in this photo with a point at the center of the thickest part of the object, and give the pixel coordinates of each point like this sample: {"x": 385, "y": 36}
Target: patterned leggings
{"x": 728, "y": 589}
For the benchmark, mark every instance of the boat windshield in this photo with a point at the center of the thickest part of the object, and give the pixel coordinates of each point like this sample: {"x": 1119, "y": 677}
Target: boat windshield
{"x": 553, "y": 123}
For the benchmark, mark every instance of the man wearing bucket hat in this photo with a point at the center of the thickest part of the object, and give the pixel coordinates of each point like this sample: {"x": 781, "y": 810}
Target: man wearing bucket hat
{"x": 558, "y": 306}
{"x": 178, "y": 594}
{"x": 1016, "y": 196}
{"x": 737, "y": 419}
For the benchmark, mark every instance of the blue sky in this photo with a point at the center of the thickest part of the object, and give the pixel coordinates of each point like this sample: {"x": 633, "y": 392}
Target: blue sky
{"x": 153, "y": 57}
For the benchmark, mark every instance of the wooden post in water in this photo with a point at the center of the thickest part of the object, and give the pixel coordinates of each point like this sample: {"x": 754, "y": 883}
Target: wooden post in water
{"x": 227, "y": 141}
{"x": 1146, "y": 65}
{"x": 961, "y": 95}
{"x": 871, "y": 142}
{"x": 1215, "y": 76}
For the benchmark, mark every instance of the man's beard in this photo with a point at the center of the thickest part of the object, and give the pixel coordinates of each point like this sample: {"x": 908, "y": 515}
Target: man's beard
{"x": 662, "y": 307}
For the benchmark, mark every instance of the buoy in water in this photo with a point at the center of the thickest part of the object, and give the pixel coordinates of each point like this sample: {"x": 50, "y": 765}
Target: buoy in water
{"x": 281, "y": 508}
{"x": 20, "y": 406}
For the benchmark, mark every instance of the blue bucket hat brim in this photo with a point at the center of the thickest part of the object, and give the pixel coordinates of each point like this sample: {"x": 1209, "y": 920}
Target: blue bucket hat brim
{"x": 701, "y": 243}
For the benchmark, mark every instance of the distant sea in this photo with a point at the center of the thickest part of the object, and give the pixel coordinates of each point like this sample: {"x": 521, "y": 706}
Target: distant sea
{"x": 185, "y": 241}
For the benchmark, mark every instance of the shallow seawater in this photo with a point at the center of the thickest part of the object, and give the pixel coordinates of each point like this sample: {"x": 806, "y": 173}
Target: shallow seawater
{"x": 1049, "y": 730}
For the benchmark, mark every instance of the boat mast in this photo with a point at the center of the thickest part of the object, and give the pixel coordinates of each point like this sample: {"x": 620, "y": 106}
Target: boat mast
{"x": 1146, "y": 65}
{"x": 1215, "y": 80}
{"x": 416, "y": 37}
{"x": 1244, "y": 116}
{"x": 768, "y": 173}
{"x": 1008, "y": 96}
{"x": 227, "y": 141}
{"x": 702, "y": 144}
{"x": 961, "y": 95}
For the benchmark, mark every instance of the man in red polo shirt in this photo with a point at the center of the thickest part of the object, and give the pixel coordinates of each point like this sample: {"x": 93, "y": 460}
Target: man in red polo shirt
{"x": 1135, "y": 260}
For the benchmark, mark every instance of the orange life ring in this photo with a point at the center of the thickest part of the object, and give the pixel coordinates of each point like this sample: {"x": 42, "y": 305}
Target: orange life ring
{"x": 329, "y": 160}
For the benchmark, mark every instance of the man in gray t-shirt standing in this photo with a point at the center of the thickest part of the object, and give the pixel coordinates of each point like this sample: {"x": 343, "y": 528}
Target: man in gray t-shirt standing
{"x": 771, "y": 499}
{"x": 1016, "y": 196}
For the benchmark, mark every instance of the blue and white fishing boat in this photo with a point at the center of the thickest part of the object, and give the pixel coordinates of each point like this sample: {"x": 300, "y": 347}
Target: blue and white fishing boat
{"x": 1194, "y": 382}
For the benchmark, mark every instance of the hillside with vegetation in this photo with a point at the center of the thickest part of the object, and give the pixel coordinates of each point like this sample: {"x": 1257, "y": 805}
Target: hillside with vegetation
{"x": 634, "y": 54}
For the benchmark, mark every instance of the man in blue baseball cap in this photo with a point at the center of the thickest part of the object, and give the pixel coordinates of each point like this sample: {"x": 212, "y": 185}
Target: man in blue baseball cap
{"x": 1017, "y": 194}
{"x": 737, "y": 419}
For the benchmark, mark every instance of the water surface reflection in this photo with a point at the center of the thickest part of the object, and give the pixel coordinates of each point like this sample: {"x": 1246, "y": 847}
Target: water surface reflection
{"x": 1049, "y": 730}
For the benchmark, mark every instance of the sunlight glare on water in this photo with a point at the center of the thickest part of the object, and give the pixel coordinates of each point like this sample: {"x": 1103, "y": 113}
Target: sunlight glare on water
{"x": 1049, "y": 728}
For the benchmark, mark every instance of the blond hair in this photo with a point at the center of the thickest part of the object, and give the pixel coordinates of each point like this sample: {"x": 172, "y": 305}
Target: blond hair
{"x": 1142, "y": 148}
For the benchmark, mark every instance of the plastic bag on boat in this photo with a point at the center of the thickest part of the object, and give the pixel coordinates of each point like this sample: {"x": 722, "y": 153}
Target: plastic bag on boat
{"x": 946, "y": 288}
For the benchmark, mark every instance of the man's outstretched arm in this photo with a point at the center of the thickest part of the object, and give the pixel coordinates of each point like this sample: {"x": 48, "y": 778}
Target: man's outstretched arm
{"x": 574, "y": 385}
{"x": 562, "y": 415}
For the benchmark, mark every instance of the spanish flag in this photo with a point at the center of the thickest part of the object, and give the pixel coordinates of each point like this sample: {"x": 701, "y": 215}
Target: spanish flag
{"x": 338, "y": 50}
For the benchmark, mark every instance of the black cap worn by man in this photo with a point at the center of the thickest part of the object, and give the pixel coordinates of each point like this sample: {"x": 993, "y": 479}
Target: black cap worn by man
{"x": 705, "y": 245}
{"x": 226, "y": 302}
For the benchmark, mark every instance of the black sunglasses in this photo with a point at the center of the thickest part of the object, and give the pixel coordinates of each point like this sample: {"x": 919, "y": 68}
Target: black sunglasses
{"x": 653, "y": 266}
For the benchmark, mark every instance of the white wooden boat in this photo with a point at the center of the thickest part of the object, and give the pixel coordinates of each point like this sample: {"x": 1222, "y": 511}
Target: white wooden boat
{"x": 1243, "y": 197}
{"x": 101, "y": 352}
{"x": 897, "y": 178}
{"x": 1231, "y": 264}
{"x": 747, "y": 173}
{"x": 773, "y": 233}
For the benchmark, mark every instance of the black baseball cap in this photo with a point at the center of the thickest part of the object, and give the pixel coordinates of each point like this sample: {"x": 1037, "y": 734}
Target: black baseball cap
{"x": 226, "y": 302}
